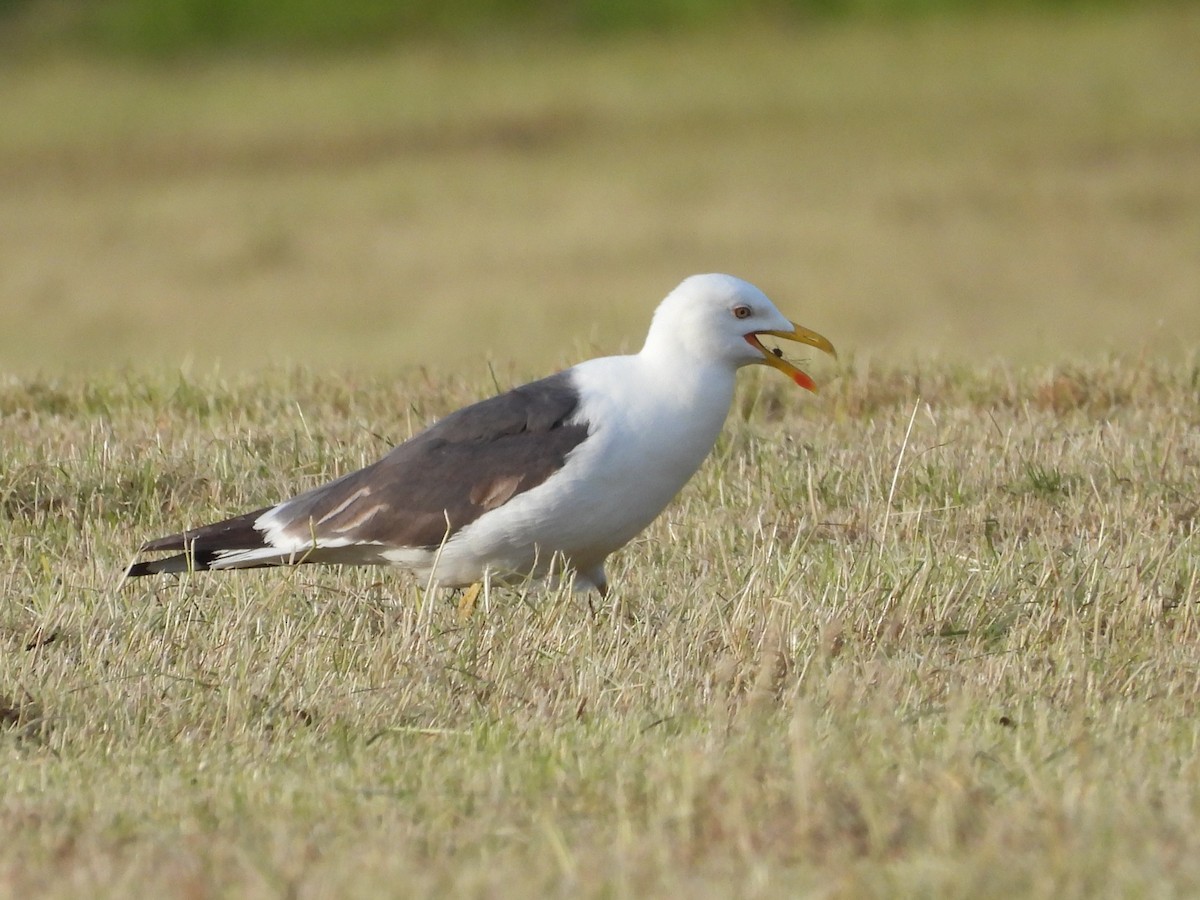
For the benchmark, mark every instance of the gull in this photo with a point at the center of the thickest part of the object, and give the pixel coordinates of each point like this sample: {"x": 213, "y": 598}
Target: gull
{"x": 545, "y": 480}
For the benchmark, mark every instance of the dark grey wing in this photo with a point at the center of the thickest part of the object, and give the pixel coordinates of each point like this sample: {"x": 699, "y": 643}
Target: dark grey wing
{"x": 449, "y": 475}
{"x": 427, "y": 488}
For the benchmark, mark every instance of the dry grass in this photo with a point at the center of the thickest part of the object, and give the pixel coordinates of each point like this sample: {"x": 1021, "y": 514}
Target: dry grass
{"x": 986, "y": 687}
{"x": 1018, "y": 187}
{"x": 933, "y": 633}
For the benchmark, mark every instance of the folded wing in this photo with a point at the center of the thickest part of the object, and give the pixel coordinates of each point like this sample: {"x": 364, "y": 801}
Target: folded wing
{"x": 420, "y": 494}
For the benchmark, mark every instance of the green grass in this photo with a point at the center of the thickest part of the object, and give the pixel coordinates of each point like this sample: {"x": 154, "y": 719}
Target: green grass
{"x": 984, "y": 687}
{"x": 175, "y": 28}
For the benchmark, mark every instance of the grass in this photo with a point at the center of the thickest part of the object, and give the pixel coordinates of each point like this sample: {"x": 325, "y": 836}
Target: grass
{"x": 1023, "y": 187}
{"x": 984, "y": 687}
{"x": 932, "y": 633}
{"x": 175, "y": 28}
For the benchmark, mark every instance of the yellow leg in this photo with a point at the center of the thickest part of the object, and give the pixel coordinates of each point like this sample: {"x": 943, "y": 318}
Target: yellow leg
{"x": 466, "y": 606}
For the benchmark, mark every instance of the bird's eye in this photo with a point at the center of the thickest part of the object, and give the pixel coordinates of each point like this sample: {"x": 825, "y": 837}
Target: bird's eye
{"x": 741, "y": 312}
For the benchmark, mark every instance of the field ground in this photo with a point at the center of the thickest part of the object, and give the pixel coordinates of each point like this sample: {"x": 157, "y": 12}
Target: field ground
{"x": 1025, "y": 188}
{"x": 934, "y": 632}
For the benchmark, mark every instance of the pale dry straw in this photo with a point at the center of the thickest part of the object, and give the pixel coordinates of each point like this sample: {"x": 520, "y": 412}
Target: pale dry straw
{"x": 999, "y": 698}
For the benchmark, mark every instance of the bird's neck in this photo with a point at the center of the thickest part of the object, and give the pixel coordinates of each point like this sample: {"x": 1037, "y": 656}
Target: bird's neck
{"x": 702, "y": 387}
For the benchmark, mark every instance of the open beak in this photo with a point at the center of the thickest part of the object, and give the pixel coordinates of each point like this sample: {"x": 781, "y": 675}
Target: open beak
{"x": 799, "y": 334}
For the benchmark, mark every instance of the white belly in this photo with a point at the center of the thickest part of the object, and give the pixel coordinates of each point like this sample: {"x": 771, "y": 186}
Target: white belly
{"x": 637, "y": 458}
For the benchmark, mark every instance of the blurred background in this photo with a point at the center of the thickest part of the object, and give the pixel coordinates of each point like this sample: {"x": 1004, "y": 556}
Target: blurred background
{"x": 371, "y": 184}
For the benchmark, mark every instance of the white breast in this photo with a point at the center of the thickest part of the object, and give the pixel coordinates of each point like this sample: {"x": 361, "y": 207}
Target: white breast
{"x": 650, "y": 431}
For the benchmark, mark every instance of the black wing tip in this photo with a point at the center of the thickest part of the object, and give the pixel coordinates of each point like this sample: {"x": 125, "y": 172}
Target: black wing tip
{"x": 177, "y": 542}
{"x": 195, "y": 550}
{"x": 180, "y": 563}
{"x": 139, "y": 570}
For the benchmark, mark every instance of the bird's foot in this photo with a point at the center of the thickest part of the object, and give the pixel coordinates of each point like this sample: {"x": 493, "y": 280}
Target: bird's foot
{"x": 466, "y": 605}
